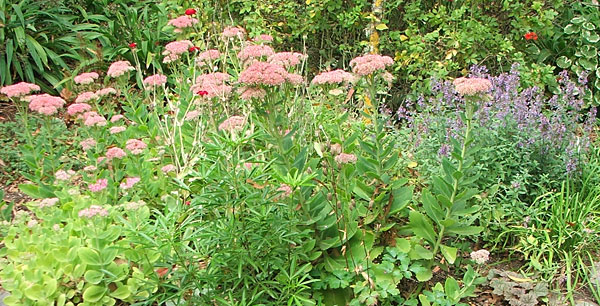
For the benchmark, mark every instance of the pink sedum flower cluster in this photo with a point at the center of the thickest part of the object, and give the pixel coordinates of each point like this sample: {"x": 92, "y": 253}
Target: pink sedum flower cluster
{"x": 367, "y": 64}
{"x": 155, "y": 80}
{"x": 174, "y": 49}
{"x": 472, "y": 86}
{"x": 87, "y": 144}
{"x": 129, "y": 182}
{"x": 106, "y": 91}
{"x": 231, "y": 32}
{"x": 78, "y": 108}
{"x": 206, "y": 57}
{"x": 333, "y": 77}
{"x": 345, "y": 158}
{"x": 117, "y": 129}
{"x": 93, "y": 211}
{"x": 248, "y": 93}
{"x": 63, "y": 175}
{"x": 93, "y": 119}
{"x": 480, "y": 257}
{"x": 86, "y": 97}
{"x": 255, "y": 51}
{"x": 286, "y": 59}
{"x": 19, "y": 89}
{"x": 213, "y": 84}
{"x": 285, "y": 191}
{"x": 116, "y": 118}
{"x": 261, "y": 73}
{"x": 183, "y": 22}
{"x": 45, "y": 104}
{"x": 168, "y": 168}
{"x": 233, "y": 123}
{"x": 136, "y": 146}
{"x": 119, "y": 68}
{"x": 86, "y": 78}
{"x": 99, "y": 185}
{"x": 263, "y": 38}
{"x": 48, "y": 202}
{"x": 115, "y": 152}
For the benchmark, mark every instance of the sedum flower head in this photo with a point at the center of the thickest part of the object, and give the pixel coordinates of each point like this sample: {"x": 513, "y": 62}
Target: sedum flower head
{"x": 480, "y": 257}
{"x": 367, "y": 64}
{"x": 19, "y": 89}
{"x": 86, "y": 78}
{"x": 472, "y": 86}
{"x": 119, "y": 68}
{"x": 233, "y": 123}
{"x": 93, "y": 211}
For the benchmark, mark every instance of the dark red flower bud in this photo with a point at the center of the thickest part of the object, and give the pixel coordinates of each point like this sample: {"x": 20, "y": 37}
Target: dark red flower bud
{"x": 530, "y": 36}
{"x": 194, "y": 48}
{"x": 190, "y": 11}
{"x": 132, "y": 45}
{"x": 202, "y": 92}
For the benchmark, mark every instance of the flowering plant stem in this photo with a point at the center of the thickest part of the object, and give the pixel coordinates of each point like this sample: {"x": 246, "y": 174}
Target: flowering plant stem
{"x": 467, "y": 140}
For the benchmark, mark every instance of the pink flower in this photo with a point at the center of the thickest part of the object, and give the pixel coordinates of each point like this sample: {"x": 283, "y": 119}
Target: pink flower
{"x": 178, "y": 47}
{"x": 263, "y": 38}
{"x": 117, "y": 129}
{"x": 93, "y": 211}
{"x": 286, "y": 59}
{"x": 136, "y": 146}
{"x": 367, "y": 64}
{"x": 90, "y": 168}
{"x": 233, "y": 123}
{"x": 45, "y": 104}
{"x": 254, "y": 51}
{"x": 472, "y": 86}
{"x": 19, "y": 89}
{"x": 207, "y": 56}
{"x": 115, "y": 152}
{"x": 190, "y": 11}
{"x": 88, "y": 143}
{"x": 249, "y": 166}
{"x": 481, "y": 256}
{"x": 85, "y": 97}
{"x": 155, "y": 80}
{"x": 261, "y": 73}
{"x": 106, "y": 91}
{"x": 333, "y": 77}
{"x": 119, "y": 68}
{"x": 86, "y": 78}
{"x": 212, "y": 85}
{"x": 169, "y": 58}
{"x": 100, "y": 185}
{"x": 285, "y": 191}
{"x": 77, "y": 108}
{"x": 116, "y": 118}
{"x": 48, "y": 202}
{"x": 182, "y": 22}
{"x": 168, "y": 168}
{"x": 100, "y": 159}
{"x": 249, "y": 93}
{"x": 192, "y": 115}
{"x": 295, "y": 79}
{"x": 129, "y": 182}
{"x": 93, "y": 119}
{"x": 63, "y": 175}
{"x": 230, "y": 32}
{"x": 344, "y": 158}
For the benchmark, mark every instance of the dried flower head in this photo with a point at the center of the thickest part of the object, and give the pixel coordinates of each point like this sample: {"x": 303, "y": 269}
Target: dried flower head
{"x": 345, "y": 158}
{"x": 48, "y": 202}
{"x": 480, "y": 257}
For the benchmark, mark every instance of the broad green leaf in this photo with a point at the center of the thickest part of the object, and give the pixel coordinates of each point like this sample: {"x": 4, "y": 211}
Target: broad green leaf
{"x": 94, "y": 294}
{"x": 403, "y": 245}
{"x": 93, "y": 276}
{"x": 570, "y": 29}
{"x": 89, "y": 256}
{"x": 449, "y": 253}
{"x": 464, "y": 230}
{"x": 121, "y": 293}
{"x": 452, "y": 289}
{"x": 402, "y": 197}
{"x": 421, "y": 226}
{"x": 424, "y": 275}
{"x": 35, "y": 292}
{"x": 578, "y": 20}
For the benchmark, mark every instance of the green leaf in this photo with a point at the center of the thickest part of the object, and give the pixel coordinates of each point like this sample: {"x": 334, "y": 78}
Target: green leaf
{"x": 121, "y": 293}
{"x": 94, "y": 294}
{"x": 34, "y": 292}
{"x": 93, "y": 276}
{"x": 464, "y": 230}
{"x": 403, "y": 245}
{"x": 419, "y": 252}
{"x": 424, "y": 275}
{"x": 452, "y": 289}
{"x": 449, "y": 253}
{"x": 590, "y": 36}
{"x": 589, "y": 51}
{"x": 90, "y": 256}
{"x": 35, "y": 191}
{"x": 421, "y": 226}
{"x": 586, "y": 64}
{"x": 570, "y": 29}
{"x": 402, "y": 197}
{"x": 318, "y": 149}
{"x": 588, "y": 26}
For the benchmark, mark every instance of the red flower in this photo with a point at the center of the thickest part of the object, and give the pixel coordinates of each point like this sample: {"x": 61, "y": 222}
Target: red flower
{"x": 132, "y": 45}
{"x": 194, "y": 48}
{"x": 190, "y": 11}
{"x": 202, "y": 92}
{"x": 530, "y": 36}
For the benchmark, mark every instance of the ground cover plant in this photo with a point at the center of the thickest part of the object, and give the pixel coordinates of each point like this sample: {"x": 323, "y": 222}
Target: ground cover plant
{"x": 206, "y": 163}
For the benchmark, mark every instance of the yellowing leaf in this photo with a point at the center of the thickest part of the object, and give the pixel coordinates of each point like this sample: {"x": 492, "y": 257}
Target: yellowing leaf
{"x": 403, "y": 37}
{"x": 518, "y": 279}
{"x": 381, "y": 27}
{"x": 368, "y": 101}
{"x": 412, "y": 164}
{"x": 451, "y": 53}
